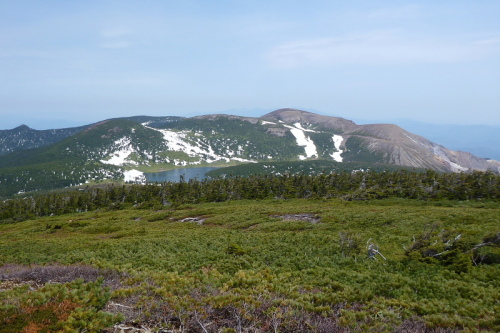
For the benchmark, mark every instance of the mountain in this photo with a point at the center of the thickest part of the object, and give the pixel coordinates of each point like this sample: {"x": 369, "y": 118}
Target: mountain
{"x": 124, "y": 148}
{"x": 23, "y": 137}
{"x": 383, "y": 143}
{"x": 480, "y": 140}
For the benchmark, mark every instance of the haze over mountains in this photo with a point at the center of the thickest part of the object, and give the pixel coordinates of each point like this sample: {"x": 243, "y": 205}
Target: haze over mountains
{"x": 125, "y": 148}
{"x": 480, "y": 140}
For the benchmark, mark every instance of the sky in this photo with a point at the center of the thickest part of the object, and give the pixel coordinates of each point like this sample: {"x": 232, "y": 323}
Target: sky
{"x": 68, "y": 63}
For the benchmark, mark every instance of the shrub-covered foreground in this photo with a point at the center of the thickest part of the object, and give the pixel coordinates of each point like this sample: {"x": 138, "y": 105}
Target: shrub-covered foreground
{"x": 274, "y": 265}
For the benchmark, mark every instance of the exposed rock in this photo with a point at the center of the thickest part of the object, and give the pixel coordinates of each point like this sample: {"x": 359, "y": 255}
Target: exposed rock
{"x": 198, "y": 220}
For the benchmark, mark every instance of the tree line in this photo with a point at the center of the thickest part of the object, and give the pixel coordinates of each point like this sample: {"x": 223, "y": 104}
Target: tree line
{"x": 429, "y": 185}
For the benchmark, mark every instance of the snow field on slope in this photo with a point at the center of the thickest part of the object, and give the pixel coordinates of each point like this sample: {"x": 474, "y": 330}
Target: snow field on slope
{"x": 119, "y": 157}
{"x": 303, "y": 141}
{"x": 337, "y": 141}
{"x": 175, "y": 141}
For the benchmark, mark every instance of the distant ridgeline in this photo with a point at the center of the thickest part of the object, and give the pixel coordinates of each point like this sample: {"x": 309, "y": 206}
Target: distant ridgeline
{"x": 428, "y": 185}
{"x": 122, "y": 150}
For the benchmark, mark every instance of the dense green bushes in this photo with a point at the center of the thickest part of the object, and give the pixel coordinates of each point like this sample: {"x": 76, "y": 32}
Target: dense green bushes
{"x": 299, "y": 254}
{"x": 250, "y": 265}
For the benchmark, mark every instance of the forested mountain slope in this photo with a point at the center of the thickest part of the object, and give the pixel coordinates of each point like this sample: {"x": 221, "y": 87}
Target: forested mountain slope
{"x": 23, "y": 137}
{"x": 123, "y": 149}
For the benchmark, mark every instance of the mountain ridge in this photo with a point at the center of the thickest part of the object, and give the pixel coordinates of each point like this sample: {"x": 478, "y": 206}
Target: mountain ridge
{"x": 23, "y": 137}
{"x": 124, "y": 148}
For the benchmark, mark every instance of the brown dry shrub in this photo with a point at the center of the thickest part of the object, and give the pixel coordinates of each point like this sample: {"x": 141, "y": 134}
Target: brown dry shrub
{"x": 57, "y": 273}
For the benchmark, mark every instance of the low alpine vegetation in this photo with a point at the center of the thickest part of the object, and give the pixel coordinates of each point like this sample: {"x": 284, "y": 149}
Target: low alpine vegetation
{"x": 360, "y": 252}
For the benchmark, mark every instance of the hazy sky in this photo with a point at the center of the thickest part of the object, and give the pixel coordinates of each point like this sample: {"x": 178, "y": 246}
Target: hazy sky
{"x": 76, "y": 62}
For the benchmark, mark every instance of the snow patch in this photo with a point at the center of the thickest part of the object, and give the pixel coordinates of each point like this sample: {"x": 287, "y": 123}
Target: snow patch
{"x": 412, "y": 139}
{"x": 304, "y": 141}
{"x": 415, "y": 141}
{"x": 175, "y": 141}
{"x": 454, "y": 166}
{"x": 134, "y": 176}
{"x": 267, "y": 123}
{"x": 337, "y": 141}
{"x": 119, "y": 156}
{"x": 243, "y": 160}
{"x": 299, "y": 126}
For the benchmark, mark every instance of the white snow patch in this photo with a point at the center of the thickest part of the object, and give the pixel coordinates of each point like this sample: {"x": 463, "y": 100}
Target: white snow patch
{"x": 175, "y": 142}
{"x": 267, "y": 123}
{"x": 299, "y": 126}
{"x": 243, "y": 160}
{"x": 337, "y": 141}
{"x": 457, "y": 167}
{"x": 119, "y": 156}
{"x": 415, "y": 141}
{"x": 454, "y": 166}
{"x": 412, "y": 139}
{"x": 134, "y": 176}
{"x": 304, "y": 141}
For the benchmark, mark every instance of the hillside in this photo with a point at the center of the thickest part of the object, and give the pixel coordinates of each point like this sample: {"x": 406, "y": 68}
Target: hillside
{"x": 23, "y": 137}
{"x": 310, "y": 167}
{"x": 122, "y": 149}
{"x": 386, "y": 143}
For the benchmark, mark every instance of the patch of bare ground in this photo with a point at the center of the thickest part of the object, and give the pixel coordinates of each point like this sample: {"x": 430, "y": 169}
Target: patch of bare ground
{"x": 37, "y": 275}
{"x": 304, "y": 217}
{"x": 196, "y": 219}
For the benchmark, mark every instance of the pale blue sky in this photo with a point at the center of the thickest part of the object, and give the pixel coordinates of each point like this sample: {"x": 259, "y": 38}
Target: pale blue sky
{"x": 77, "y": 62}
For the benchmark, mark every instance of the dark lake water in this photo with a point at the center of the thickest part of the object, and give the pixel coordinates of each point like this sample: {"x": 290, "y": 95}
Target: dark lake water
{"x": 175, "y": 175}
